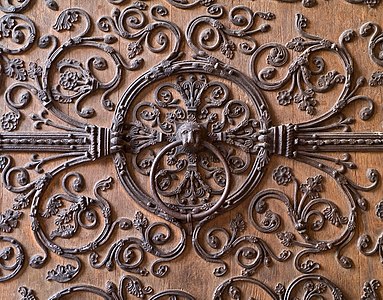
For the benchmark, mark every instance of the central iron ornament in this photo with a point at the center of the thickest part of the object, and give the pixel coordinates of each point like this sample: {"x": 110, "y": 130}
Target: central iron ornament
{"x": 192, "y": 138}
{"x": 190, "y": 134}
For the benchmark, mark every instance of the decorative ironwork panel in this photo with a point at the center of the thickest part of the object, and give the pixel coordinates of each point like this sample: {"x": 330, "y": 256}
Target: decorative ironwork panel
{"x": 199, "y": 149}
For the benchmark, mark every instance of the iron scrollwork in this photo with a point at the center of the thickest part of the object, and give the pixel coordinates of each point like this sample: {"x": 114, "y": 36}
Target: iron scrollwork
{"x": 313, "y": 286}
{"x": 251, "y": 254}
{"x": 312, "y": 3}
{"x": 12, "y": 258}
{"x": 370, "y": 290}
{"x": 202, "y": 137}
{"x": 304, "y": 211}
{"x": 128, "y": 286}
{"x": 182, "y": 116}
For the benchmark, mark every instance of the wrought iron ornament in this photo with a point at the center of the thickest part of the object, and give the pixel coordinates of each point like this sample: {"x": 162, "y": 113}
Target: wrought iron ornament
{"x": 199, "y": 131}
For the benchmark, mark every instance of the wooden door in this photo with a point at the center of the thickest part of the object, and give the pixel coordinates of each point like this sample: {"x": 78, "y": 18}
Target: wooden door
{"x": 191, "y": 149}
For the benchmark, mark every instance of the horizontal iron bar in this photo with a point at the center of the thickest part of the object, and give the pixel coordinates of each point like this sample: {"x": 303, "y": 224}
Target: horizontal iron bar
{"x": 339, "y": 141}
{"x": 94, "y": 140}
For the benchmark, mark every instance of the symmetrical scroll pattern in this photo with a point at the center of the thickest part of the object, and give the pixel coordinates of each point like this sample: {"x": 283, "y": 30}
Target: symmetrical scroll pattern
{"x": 205, "y": 135}
{"x": 251, "y": 254}
{"x": 129, "y": 286}
{"x": 307, "y": 287}
{"x": 309, "y": 212}
{"x": 200, "y": 133}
